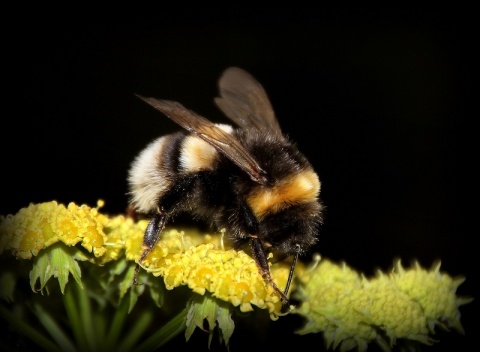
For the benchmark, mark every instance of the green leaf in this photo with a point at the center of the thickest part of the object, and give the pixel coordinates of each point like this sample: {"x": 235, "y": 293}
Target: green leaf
{"x": 225, "y": 322}
{"x": 209, "y": 308}
{"x": 145, "y": 280}
{"x": 127, "y": 282}
{"x": 157, "y": 290}
{"x": 167, "y": 332}
{"x": 58, "y": 261}
{"x": 199, "y": 310}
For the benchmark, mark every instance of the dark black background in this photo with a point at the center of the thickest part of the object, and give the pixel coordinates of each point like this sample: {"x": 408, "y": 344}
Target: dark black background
{"x": 377, "y": 99}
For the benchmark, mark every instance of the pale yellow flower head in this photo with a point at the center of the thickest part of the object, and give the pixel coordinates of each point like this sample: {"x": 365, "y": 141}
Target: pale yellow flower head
{"x": 434, "y": 291}
{"x": 352, "y": 311}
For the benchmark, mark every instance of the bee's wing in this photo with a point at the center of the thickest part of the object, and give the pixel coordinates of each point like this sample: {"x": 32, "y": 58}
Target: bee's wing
{"x": 210, "y": 133}
{"x": 243, "y": 100}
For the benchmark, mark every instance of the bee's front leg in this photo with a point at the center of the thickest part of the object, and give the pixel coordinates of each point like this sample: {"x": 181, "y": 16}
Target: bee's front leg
{"x": 150, "y": 238}
{"x": 260, "y": 257}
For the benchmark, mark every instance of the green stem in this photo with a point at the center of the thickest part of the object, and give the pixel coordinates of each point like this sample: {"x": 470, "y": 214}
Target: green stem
{"x": 118, "y": 322}
{"x": 53, "y": 328}
{"x": 174, "y": 327}
{"x": 27, "y": 331}
{"x": 73, "y": 314}
{"x": 86, "y": 318}
{"x": 138, "y": 329}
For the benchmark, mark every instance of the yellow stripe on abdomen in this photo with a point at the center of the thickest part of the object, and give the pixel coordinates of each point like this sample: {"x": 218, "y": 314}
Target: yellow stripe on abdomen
{"x": 301, "y": 188}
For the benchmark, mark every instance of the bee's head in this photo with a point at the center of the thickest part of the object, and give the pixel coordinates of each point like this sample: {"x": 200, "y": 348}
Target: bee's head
{"x": 293, "y": 229}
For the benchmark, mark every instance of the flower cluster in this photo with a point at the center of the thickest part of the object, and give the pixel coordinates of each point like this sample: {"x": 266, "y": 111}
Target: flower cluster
{"x": 200, "y": 262}
{"x": 192, "y": 259}
{"x": 350, "y": 310}
{"x": 40, "y": 225}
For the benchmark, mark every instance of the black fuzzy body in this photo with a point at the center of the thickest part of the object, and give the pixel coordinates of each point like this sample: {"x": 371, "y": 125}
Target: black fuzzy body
{"x": 218, "y": 195}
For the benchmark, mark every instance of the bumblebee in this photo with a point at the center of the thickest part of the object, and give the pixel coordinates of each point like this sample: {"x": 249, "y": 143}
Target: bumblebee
{"x": 250, "y": 180}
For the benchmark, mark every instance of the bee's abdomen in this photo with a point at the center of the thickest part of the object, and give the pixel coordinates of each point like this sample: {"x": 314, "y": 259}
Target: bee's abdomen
{"x": 197, "y": 155}
{"x": 153, "y": 171}
{"x": 167, "y": 161}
